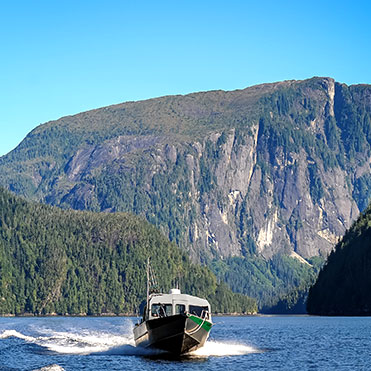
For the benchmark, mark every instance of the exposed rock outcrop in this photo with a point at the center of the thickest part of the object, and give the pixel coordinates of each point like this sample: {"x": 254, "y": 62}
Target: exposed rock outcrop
{"x": 276, "y": 167}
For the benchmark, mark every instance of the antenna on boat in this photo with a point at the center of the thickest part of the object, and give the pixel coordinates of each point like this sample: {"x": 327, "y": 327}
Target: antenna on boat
{"x": 147, "y": 287}
{"x": 153, "y": 286}
{"x": 151, "y": 282}
{"x": 179, "y": 282}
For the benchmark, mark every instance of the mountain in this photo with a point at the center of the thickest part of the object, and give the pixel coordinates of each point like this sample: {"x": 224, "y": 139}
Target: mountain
{"x": 343, "y": 285}
{"x": 261, "y": 179}
{"x": 73, "y": 262}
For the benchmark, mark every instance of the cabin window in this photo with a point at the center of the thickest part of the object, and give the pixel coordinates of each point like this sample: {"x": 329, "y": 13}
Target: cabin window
{"x": 199, "y": 311}
{"x": 161, "y": 310}
{"x": 180, "y": 309}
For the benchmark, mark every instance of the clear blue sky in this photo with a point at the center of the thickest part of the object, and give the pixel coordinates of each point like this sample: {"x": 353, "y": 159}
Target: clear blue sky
{"x": 64, "y": 57}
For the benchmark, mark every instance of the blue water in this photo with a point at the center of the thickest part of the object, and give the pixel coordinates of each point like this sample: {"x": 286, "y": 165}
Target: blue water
{"x": 236, "y": 343}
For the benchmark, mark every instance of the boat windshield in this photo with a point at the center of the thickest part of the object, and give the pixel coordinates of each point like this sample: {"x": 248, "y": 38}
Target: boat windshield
{"x": 180, "y": 309}
{"x": 202, "y": 312}
{"x": 161, "y": 310}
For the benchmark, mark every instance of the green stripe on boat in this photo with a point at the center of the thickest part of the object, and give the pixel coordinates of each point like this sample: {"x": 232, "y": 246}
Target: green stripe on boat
{"x": 206, "y": 325}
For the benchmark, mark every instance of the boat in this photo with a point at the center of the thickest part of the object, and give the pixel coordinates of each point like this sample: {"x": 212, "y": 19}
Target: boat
{"x": 176, "y": 323}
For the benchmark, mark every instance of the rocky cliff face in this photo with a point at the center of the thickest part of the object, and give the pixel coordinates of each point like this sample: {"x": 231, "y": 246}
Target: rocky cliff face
{"x": 277, "y": 167}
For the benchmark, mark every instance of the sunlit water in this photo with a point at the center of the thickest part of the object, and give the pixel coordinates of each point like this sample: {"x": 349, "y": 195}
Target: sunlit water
{"x": 236, "y": 343}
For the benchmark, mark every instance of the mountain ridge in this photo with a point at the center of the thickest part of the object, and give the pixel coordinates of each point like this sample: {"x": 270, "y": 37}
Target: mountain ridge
{"x": 271, "y": 169}
{"x": 64, "y": 119}
{"x": 116, "y": 105}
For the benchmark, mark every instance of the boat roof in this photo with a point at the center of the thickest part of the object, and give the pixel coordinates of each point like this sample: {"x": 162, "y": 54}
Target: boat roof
{"x": 184, "y": 298}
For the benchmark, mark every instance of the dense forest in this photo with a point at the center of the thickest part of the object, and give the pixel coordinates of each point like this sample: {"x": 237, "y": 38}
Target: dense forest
{"x": 343, "y": 285}
{"x": 73, "y": 262}
{"x": 252, "y": 183}
{"x": 279, "y": 284}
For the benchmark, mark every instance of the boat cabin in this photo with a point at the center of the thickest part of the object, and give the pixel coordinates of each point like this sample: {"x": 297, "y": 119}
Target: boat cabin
{"x": 164, "y": 305}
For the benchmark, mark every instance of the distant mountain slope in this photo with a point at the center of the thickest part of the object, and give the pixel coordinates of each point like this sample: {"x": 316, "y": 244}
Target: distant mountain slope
{"x": 279, "y": 168}
{"x": 343, "y": 286}
{"x": 55, "y": 261}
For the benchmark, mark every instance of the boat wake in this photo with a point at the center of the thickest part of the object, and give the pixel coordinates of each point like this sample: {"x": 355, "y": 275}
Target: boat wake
{"x": 81, "y": 343}
{"x": 221, "y": 349}
{"x": 87, "y": 342}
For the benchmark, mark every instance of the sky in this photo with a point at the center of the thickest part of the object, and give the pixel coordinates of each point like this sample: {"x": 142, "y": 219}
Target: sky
{"x": 60, "y": 58}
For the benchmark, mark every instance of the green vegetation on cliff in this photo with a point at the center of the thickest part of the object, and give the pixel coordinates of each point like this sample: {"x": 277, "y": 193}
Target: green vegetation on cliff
{"x": 257, "y": 173}
{"x": 278, "y": 283}
{"x": 343, "y": 285}
{"x": 56, "y": 261}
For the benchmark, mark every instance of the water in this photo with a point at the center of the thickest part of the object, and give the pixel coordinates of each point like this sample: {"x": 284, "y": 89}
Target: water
{"x": 256, "y": 343}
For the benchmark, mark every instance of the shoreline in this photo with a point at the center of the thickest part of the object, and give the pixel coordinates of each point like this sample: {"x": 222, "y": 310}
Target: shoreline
{"x": 28, "y": 315}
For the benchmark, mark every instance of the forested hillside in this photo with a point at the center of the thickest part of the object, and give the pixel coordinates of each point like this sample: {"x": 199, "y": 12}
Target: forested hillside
{"x": 343, "y": 286}
{"x": 277, "y": 283}
{"x": 261, "y": 179}
{"x": 73, "y": 262}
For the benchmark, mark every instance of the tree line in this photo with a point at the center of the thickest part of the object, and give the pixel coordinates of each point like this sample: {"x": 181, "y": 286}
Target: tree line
{"x": 62, "y": 262}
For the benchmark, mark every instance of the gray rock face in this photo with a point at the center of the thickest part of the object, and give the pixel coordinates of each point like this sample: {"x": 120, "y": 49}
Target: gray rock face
{"x": 278, "y": 167}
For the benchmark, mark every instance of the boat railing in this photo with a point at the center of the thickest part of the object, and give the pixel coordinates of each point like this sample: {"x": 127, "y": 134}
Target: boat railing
{"x": 204, "y": 314}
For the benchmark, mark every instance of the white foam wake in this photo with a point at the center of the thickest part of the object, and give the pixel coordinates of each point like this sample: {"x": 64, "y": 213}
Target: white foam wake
{"x": 220, "y": 349}
{"x": 86, "y": 342}
{"x": 98, "y": 342}
{"x": 13, "y": 333}
{"x": 52, "y": 367}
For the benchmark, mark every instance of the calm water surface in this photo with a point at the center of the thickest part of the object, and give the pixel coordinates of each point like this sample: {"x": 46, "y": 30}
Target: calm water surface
{"x": 236, "y": 343}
